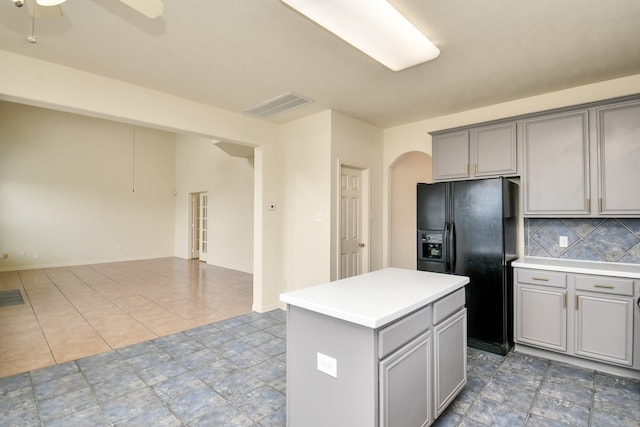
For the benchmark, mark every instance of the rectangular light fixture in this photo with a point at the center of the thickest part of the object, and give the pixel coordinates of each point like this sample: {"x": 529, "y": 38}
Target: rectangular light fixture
{"x": 373, "y": 26}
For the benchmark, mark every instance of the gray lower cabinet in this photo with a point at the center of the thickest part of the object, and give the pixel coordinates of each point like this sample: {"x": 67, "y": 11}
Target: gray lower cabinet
{"x": 618, "y": 159}
{"x": 556, "y": 165}
{"x": 403, "y": 374}
{"x": 601, "y": 309}
{"x": 604, "y": 318}
{"x": 450, "y": 372}
{"x": 405, "y": 383}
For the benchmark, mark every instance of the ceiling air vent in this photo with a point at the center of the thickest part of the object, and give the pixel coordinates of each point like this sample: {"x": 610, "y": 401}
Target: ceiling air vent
{"x": 279, "y": 104}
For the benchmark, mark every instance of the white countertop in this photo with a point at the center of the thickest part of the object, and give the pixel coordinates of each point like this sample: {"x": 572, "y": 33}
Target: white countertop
{"x": 582, "y": 267}
{"x": 377, "y": 298}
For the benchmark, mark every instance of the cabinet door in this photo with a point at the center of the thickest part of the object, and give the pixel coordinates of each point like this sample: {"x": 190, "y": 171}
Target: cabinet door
{"x": 450, "y": 361}
{"x": 619, "y": 159}
{"x": 556, "y": 165}
{"x": 451, "y": 155}
{"x": 494, "y": 150}
{"x": 405, "y": 377}
{"x": 541, "y": 317}
{"x": 604, "y": 327}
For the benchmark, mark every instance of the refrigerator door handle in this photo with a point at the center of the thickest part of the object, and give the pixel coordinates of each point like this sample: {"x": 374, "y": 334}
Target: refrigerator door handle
{"x": 445, "y": 248}
{"x": 452, "y": 247}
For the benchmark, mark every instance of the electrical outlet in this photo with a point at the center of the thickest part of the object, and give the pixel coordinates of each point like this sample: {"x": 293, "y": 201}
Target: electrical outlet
{"x": 564, "y": 241}
{"x": 328, "y": 365}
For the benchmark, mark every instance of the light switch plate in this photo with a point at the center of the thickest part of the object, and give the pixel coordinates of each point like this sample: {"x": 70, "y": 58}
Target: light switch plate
{"x": 328, "y": 365}
{"x": 564, "y": 241}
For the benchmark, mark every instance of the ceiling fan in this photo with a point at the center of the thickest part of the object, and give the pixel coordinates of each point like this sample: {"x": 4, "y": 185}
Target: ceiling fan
{"x": 51, "y": 8}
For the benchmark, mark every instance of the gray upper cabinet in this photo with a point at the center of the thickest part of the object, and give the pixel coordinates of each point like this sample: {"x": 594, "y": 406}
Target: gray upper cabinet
{"x": 451, "y": 156}
{"x": 618, "y": 154}
{"x": 479, "y": 152}
{"x": 493, "y": 150}
{"x": 556, "y": 165}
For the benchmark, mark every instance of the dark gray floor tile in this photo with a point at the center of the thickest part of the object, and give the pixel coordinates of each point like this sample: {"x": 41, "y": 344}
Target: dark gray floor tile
{"x": 256, "y": 338}
{"x": 260, "y": 402}
{"x": 14, "y": 382}
{"x": 53, "y": 372}
{"x": 223, "y": 415}
{"x": 177, "y": 386}
{"x": 215, "y": 339}
{"x": 20, "y": 416}
{"x": 60, "y": 386}
{"x": 493, "y": 413}
{"x": 107, "y": 372}
{"x": 148, "y": 360}
{"x": 216, "y": 371}
{"x": 204, "y": 329}
{"x": 269, "y": 370}
{"x": 237, "y": 384}
{"x": 183, "y": 348}
{"x": 137, "y": 349}
{"x": 161, "y": 372}
{"x": 17, "y": 398}
{"x": 276, "y": 419}
{"x": 156, "y": 416}
{"x": 575, "y": 374}
{"x": 171, "y": 340}
{"x": 119, "y": 386}
{"x": 66, "y": 404}
{"x": 194, "y": 404}
{"x": 92, "y": 416}
{"x": 274, "y": 347}
{"x": 560, "y": 410}
{"x": 131, "y": 405}
{"x": 99, "y": 360}
{"x": 567, "y": 390}
{"x": 516, "y": 398}
{"x": 249, "y": 357}
{"x": 242, "y": 330}
{"x": 199, "y": 358}
{"x": 601, "y": 418}
{"x": 538, "y": 421}
{"x": 447, "y": 419}
{"x": 621, "y": 401}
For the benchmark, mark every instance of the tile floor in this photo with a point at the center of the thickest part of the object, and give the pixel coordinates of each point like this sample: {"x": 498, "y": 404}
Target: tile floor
{"x": 73, "y": 312}
{"x": 232, "y": 372}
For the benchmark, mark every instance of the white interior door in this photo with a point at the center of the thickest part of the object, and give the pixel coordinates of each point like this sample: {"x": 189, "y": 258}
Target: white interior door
{"x": 195, "y": 225}
{"x": 351, "y": 242}
{"x": 204, "y": 222}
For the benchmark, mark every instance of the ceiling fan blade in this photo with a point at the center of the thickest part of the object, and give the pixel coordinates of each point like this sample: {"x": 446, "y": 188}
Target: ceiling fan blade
{"x": 149, "y": 8}
{"x": 43, "y": 12}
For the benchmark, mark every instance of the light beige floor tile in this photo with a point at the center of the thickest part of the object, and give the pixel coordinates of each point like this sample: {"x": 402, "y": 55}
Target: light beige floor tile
{"x": 74, "y": 312}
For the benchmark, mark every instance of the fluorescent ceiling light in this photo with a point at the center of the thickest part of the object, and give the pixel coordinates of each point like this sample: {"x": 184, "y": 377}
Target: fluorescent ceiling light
{"x": 50, "y": 2}
{"x": 373, "y": 26}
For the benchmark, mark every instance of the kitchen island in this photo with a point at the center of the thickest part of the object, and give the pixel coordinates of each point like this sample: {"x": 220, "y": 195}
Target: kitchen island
{"x": 386, "y": 348}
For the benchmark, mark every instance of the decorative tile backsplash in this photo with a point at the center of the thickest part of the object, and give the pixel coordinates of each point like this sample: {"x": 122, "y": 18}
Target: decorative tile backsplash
{"x": 589, "y": 239}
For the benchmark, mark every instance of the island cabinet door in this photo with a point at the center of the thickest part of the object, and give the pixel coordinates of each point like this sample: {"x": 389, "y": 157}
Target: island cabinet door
{"x": 405, "y": 378}
{"x": 450, "y": 361}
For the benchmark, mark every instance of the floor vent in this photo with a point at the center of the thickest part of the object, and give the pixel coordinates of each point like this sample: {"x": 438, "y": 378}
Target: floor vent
{"x": 279, "y": 104}
{"x": 10, "y": 297}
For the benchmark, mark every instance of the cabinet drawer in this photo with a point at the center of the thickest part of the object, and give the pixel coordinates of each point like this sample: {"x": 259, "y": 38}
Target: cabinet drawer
{"x": 541, "y": 277}
{"x": 605, "y": 284}
{"x": 448, "y": 305}
{"x": 404, "y": 330}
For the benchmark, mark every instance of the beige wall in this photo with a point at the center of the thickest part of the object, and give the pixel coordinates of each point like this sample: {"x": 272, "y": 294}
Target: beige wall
{"x": 408, "y": 170}
{"x": 415, "y": 136}
{"x": 66, "y": 189}
{"x": 358, "y": 144}
{"x": 202, "y": 166}
{"x": 305, "y": 150}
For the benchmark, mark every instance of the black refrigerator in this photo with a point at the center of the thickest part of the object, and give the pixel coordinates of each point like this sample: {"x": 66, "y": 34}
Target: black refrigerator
{"x": 470, "y": 228}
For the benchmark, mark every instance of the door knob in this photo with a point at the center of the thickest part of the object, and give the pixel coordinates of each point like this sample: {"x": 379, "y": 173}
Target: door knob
{"x": 361, "y": 245}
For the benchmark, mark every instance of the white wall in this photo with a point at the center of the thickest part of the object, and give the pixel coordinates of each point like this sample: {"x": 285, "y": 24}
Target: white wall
{"x": 415, "y": 136}
{"x": 66, "y": 189}
{"x": 228, "y": 181}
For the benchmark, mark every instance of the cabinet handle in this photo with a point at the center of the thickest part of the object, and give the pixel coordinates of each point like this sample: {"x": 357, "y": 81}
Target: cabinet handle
{"x": 466, "y": 169}
{"x": 600, "y": 205}
{"x": 577, "y": 303}
{"x": 542, "y": 279}
{"x": 564, "y": 300}
{"x": 604, "y": 286}
{"x": 588, "y": 205}
{"x": 475, "y": 169}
